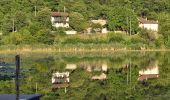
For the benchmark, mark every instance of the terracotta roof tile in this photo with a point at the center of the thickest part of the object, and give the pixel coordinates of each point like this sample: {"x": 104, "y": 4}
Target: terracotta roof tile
{"x": 58, "y": 14}
{"x": 145, "y": 21}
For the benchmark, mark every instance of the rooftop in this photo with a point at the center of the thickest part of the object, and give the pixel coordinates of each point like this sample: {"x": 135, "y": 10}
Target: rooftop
{"x": 59, "y": 14}
{"x": 149, "y": 76}
{"x": 146, "y": 21}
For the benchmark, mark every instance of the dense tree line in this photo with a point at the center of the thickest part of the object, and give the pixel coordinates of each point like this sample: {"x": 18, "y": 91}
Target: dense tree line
{"x": 31, "y": 18}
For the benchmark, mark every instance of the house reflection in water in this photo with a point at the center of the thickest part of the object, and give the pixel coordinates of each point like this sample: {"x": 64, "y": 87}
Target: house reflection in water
{"x": 91, "y": 67}
{"x": 103, "y": 76}
{"x": 87, "y": 66}
{"x": 60, "y": 80}
{"x": 150, "y": 72}
{"x": 71, "y": 66}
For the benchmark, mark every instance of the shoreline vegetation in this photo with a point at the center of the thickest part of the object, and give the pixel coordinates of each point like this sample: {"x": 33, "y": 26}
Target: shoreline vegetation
{"x": 50, "y": 49}
{"x": 111, "y": 42}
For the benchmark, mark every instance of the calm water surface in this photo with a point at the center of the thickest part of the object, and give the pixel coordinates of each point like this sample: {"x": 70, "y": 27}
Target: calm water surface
{"x": 102, "y": 76}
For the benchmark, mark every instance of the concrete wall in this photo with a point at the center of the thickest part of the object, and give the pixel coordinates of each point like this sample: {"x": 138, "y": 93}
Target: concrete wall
{"x": 153, "y": 27}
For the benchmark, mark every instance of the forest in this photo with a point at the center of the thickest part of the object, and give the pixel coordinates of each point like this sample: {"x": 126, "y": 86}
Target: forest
{"x": 27, "y": 22}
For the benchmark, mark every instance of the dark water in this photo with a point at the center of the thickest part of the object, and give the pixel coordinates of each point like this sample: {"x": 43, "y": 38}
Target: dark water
{"x": 102, "y": 76}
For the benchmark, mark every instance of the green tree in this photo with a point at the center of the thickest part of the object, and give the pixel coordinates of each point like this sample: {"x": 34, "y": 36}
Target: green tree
{"x": 78, "y": 22}
{"x": 13, "y": 38}
{"x": 45, "y": 36}
{"x": 44, "y": 18}
{"x": 120, "y": 18}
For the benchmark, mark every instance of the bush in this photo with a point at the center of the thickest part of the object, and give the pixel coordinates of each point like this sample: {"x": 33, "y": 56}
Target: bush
{"x": 148, "y": 34}
{"x": 45, "y": 36}
{"x": 13, "y": 38}
{"x": 115, "y": 37}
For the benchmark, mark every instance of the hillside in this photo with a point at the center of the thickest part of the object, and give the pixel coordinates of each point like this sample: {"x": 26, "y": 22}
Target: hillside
{"x": 28, "y": 21}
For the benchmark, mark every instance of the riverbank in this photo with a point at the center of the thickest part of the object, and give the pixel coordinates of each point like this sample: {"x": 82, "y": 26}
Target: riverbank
{"x": 50, "y": 49}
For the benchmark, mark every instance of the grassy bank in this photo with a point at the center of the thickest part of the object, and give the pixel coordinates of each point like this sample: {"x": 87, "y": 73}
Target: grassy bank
{"x": 73, "y": 48}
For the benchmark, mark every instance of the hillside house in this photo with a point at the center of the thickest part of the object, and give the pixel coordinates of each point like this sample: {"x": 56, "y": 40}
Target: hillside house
{"x": 101, "y": 22}
{"x": 148, "y": 24}
{"x": 60, "y": 19}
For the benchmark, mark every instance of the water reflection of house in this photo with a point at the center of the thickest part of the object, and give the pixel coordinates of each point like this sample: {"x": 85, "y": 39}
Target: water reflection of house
{"x": 91, "y": 67}
{"x": 150, "y": 72}
{"x": 94, "y": 67}
{"x": 60, "y": 80}
{"x": 71, "y": 66}
{"x": 87, "y": 66}
{"x": 103, "y": 76}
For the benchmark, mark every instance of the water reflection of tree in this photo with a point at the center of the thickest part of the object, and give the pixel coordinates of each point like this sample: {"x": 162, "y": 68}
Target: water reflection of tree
{"x": 81, "y": 87}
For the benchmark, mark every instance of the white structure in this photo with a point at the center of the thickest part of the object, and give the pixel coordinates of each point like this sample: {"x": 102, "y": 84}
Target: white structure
{"x": 102, "y": 23}
{"x": 71, "y": 66}
{"x": 104, "y": 67}
{"x": 60, "y": 77}
{"x": 103, "y": 76}
{"x": 99, "y": 21}
{"x": 96, "y": 67}
{"x": 104, "y": 30}
{"x": 148, "y": 24}
{"x": 71, "y": 32}
{"x": 149, "y": 73}
{"x": 60, "y": 19}
{"x": 0, "y": 33}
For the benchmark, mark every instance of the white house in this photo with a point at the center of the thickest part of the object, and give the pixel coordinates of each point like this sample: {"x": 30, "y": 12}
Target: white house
{"x": 148, "y": 24}
{"x": 60, "y": 19}
{"x": 102, "y": 23}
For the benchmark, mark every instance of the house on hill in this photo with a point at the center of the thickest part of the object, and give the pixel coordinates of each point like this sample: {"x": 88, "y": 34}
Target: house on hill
{"x": 98, "y": 29}
{"x": 60, "y": 19}
{"x": 148, "y": 24}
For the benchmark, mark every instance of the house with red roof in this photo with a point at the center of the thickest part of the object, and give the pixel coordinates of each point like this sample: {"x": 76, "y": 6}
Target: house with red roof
{"x": 148, "y": 24}
{"x": 60, "y": 19}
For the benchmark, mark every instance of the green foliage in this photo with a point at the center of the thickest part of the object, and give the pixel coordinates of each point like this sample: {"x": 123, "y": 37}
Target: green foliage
{"x": 77, "y": 21}
{"x": 13, "y": 38}
{"x": 118, "y": 13}
{"x": 43, "y": 17}
{"x": 120, "y": 19}
{"x": 122, "y": 83}
{"x": 115, "y": 37}
{"x": 84, "y": 39}
{"x": 148, "y": 34}
{"x": 45, "y": 36}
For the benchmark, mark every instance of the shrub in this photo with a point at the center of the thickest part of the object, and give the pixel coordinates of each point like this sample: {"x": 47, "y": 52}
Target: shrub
{"x": 115, "y": 37}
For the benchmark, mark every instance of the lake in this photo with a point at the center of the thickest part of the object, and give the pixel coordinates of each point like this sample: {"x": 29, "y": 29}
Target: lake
{"x": 102, "y": 76}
